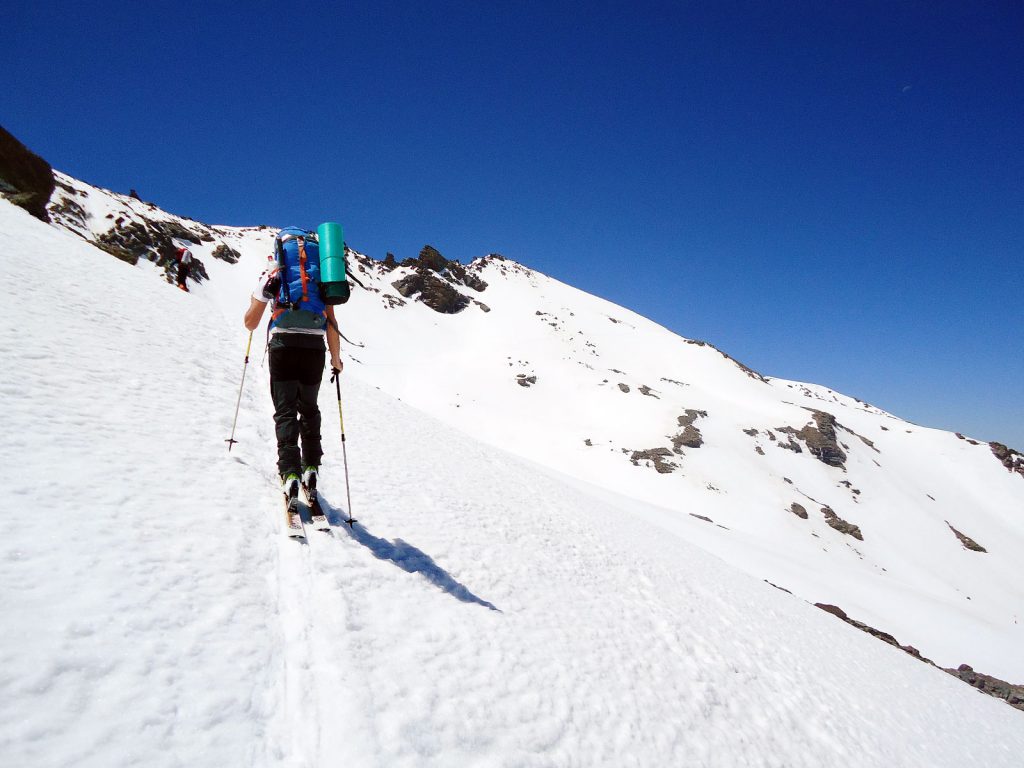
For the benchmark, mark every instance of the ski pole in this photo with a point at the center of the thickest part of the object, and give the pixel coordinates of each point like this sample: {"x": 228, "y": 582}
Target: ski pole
{"x": 231, "y": 440}
{"x": 336, "y": 378}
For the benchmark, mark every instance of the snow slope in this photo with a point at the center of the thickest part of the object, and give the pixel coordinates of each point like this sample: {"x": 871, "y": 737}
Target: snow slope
{"x": 482, "y": 613}
{"x": 610, "y": 383}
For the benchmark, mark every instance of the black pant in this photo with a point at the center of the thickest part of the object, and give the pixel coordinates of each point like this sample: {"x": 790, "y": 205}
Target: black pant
{"x": 295, "y": 375}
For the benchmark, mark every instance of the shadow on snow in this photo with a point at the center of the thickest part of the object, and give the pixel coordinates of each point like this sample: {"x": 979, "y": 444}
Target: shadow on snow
{"x": 405, "y": 556}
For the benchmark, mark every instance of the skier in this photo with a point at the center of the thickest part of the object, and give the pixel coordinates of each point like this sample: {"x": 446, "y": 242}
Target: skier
{"x": 184, "y": 266}
{"x": 299, "y": 323}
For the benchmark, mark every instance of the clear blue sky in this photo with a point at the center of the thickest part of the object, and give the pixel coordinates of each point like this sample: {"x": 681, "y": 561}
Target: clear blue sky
{"x": 831, "y": 192}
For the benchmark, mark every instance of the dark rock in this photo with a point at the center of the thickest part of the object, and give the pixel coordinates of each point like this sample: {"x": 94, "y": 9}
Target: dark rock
{"x": 432, "y": 259}
{"x": 752, "y": 432}
{"x": 849, "y": 486}
{"x": 657, "y": 456}
{"x": 841, "y": 525}
{"x": 525, "y": 381}
{"x": 993, "y": 686}
{"x": 701, "y": 517}
{"x": 133, "y": 193}
{"x": 624, "y": 387}
{"x": 1008, "y": 457}
{"x": 68, "y": 212}
{"x": 821, "y": 440}
{"x": 645, "y": 390}
{"x": 25, "y": 178}
{"x": 759, "y": 450}
{"x": 152, "y": 241}
{"x": 883, "y": 636}
{"x": 588, "y": 443}
{"x": 798, "y": 510}
{"x": 436, "y": 293}
{"x": 224, "y": 252}
{"x": 389, "y": 262}
{"x": 690, "y": 437}
{"x": 967, "y": 541}
{"x": 790, "y": 445}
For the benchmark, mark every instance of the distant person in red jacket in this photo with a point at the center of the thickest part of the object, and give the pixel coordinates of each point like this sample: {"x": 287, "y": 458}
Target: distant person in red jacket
{"x": 184, "y": 266}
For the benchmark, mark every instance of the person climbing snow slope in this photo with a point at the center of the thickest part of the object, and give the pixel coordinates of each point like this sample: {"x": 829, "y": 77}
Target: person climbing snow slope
{"x": 300, "y": 322}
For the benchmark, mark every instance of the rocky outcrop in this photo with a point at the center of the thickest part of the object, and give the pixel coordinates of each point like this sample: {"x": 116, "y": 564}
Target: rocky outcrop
{"x": 438, "y": 294}
{"x": 434, "y": 281}
{"x": 431, "y": 260}
{"x": 798, "y": 510}
{"x": 993, "y": 686}
{"x": 1008, "y": 457}
{"x": 883, "y": 636}
{"x": 25, "y": 178}
{"x": 525, "y": 381}
{"x": 658, "y": 457}
{"x": 967, "y": 541}
{"x": 225, "y": 252}
{"x": 690, "y": 437}
{"x": 821, "y": 440}
{"x": 152, "y": 241}
{"x": 819, "y": 437}
{"x": 841, "y": 525}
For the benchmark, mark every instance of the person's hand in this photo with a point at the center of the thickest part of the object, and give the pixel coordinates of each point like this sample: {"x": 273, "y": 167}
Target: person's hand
{"x": 270, "y": 287}
{"x": 336, "y": 365}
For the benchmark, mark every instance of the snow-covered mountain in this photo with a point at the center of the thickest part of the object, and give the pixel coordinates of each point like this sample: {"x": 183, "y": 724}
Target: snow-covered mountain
{"x": 558, "y": 481}
{"x": 914, "y": 531}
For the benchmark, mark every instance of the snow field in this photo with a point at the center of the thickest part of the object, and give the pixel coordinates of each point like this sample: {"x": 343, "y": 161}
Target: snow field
{"x": 482, "y": 613}
{"x": 133, "y": 622}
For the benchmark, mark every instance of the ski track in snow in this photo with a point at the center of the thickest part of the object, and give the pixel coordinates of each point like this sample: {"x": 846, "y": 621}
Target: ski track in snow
{"x": 480, "y": 613}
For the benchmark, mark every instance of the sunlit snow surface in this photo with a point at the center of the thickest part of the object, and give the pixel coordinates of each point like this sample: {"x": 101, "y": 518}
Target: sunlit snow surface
{"x": 486, "y": 611}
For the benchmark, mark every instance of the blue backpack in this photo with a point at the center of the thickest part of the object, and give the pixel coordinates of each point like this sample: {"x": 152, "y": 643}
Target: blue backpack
{"x": 299, "y": 306}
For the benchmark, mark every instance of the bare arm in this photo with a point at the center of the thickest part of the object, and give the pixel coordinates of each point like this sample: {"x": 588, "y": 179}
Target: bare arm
{"x": 333, "y": 340}
{"x": 254, "y": 313}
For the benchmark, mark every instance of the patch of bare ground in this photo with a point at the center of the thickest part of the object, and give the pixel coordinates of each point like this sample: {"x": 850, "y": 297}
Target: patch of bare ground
{"x": 967, "y": 541}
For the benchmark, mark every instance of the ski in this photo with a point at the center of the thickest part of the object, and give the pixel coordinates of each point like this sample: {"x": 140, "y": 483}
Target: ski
{"x": 316, "y": 512}
{"x": 292, "y": 518}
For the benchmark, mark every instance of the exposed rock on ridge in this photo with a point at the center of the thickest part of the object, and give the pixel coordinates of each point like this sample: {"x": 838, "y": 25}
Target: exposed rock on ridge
{"x": 1009, "y": 458}
{"x": 25, "y": 178}
{"x": 993, "y": 686}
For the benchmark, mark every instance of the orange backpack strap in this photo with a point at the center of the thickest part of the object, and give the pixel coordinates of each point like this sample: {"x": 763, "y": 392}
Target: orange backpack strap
{"x": 302, "y": 269}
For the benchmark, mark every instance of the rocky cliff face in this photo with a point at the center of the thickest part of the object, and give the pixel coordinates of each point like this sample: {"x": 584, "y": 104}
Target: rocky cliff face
{"x": 25, "y": 178}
